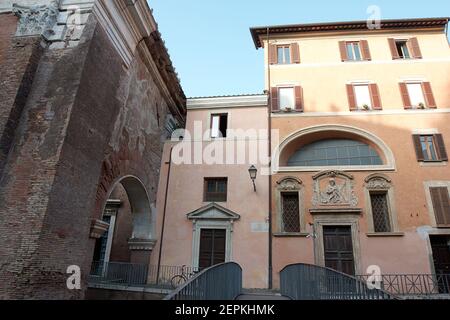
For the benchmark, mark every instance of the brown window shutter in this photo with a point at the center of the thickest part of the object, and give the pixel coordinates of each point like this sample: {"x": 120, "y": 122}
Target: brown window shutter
{"x": 393, "y": 48}
{"x": 351, "y": 97}
{"x": 405, "y": 95}
{"x": 274, "y": 99}
{"x": 273, "y": 54}
{"x": 441, "y": 204}
{"x": 295, "y": 52}
{"x": 418, "y": 147}
{"x": 365, "y": 50}
{"x": 414, "y": 45}
{"x": 343, "y": 50}
{"x": 428, "y": 93}
{"x": 298, "y": 98}
{"x": 376, "y": 100}
{"x": 440, "y": 147}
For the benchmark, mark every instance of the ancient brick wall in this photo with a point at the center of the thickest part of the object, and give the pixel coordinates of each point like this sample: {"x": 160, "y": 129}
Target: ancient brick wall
{"x": 87, "y": 122}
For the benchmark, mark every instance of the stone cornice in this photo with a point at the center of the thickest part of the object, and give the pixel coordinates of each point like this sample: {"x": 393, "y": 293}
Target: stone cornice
{"x": 132, "y": 30}
{"x": 260, "y": 100}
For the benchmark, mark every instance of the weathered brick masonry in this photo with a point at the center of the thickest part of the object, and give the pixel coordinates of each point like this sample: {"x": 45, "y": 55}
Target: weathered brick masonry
{"x": 78, "y": 121}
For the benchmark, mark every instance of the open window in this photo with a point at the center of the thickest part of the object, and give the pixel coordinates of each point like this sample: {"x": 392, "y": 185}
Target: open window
{"x": 219, "y": 125}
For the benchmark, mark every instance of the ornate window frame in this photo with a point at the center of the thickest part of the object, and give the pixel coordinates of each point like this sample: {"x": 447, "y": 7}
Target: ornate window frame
{"x": 378, "y": 182}
{"x": 290, "y": 185}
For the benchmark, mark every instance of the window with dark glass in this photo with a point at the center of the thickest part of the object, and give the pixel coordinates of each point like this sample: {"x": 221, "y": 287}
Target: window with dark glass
{"x": 290, "y": 212}
{"x": 335, "y": 152}
{"x": 284, "y": 54}
{"x": 215, "y": 189}
{"x": 402, "y": 49}
{"x": 353, "y": 51}
{"x": 428, "y": 148}
{"x": 380, "y": 212}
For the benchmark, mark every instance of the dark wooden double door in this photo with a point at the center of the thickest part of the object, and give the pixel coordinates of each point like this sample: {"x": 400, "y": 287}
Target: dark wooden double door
{"x": 338, "y": 249}
{"x": 212, "y": 247}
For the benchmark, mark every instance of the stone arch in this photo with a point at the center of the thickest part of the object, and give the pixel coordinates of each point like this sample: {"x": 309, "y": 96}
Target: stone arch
{"x": 125, "y": 227}
{"x": 143, "y": 215}
{"x": 310, "y": 134}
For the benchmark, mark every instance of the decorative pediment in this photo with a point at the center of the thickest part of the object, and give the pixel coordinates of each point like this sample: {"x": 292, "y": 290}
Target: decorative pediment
{"x": 377, "y": 181}
{"x": 213, "y": 211}
{"x": 289, "y": 184}
{"x": 334, "y": 188}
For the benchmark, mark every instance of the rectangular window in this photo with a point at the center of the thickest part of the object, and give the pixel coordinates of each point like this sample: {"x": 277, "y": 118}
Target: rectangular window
{"x": 380, "y": 212}
{"x": 362, "y": 95}
{"x": 353, "y": 51}
{"x": 416, "y": 96}
{"x": 428, "y": 148}
{"x": 402, "y": 49}
{"x": 284, "y": 54}
{"x": 215, "y": 189}
{"x": 219, "y": 124}
{"x": 441, "y": 205}
{"x": 290, "y": 212}
{"x": 286, "y": 98}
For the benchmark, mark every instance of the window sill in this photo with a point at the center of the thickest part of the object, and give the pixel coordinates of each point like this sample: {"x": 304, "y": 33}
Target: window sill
{"x": 443, "y": 226}
{"x": 385, "y": 234}
{"x": 433, "y": 163}
{"x": 291, "y": 234}
{"x": 287, "y": 112}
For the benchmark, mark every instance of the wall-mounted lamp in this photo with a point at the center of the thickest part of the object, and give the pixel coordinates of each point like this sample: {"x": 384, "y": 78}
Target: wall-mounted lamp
{"x": 253, "y": 171}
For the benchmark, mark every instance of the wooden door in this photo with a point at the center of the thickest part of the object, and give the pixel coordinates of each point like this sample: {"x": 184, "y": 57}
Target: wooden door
{"x": 338, "y": 248}
{"x": 212, "y": 247}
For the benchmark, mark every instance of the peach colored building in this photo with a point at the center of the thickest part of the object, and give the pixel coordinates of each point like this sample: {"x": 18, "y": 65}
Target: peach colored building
{"x": 360, "y": 174}
{"x": 213, "y": 213}
{"x": 359, "y": 169}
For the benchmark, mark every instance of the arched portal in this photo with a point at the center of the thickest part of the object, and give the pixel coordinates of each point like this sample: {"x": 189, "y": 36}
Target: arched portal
{"x": 130, "y": 225}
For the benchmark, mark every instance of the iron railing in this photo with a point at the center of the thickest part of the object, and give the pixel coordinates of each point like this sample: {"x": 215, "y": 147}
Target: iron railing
{"x": 413, "y": 284}
{"x": 138, "y": 275}
{"x": 312, "y": 282}
{"x": 219, "y": 282}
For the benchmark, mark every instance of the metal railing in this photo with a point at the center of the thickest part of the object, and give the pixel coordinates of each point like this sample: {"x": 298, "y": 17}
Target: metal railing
{"x": 138, "y": 275}
{"x": 312, "y": 282}
{"x": 414, "y": 284}
{"x": 219, "y": 282}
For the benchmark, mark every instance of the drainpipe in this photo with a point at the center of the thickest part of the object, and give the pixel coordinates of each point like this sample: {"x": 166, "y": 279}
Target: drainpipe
{"x": 269, "y": 127}
{"x": 164, "y": 214}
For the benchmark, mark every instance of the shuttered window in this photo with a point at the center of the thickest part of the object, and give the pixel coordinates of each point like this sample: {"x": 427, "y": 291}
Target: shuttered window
{"x": 405, "y": 48}
{"x": 430, "y": 147}
{"x": 284, "y": 54}
{"x": 441, "y": 205}
{"x": 363, "y": 97}
{"x": 417, "y": 95}
{"x": 354, "y": 50}
{"x": 287, "y": 99}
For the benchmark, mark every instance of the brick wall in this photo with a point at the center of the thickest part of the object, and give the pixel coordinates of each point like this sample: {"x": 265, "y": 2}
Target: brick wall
{"x": 87, "y": 122}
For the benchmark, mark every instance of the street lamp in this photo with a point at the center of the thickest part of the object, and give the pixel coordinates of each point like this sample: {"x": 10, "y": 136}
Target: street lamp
{"x": 253, "y": 171}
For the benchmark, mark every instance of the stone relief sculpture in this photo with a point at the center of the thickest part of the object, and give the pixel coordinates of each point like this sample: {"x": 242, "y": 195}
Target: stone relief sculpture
{"x": 36, "y": 19}
{"x": 333, "y": 188}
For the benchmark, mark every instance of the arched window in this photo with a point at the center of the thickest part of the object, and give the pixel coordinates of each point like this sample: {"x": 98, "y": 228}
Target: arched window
{"x": 335, "y": 152}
